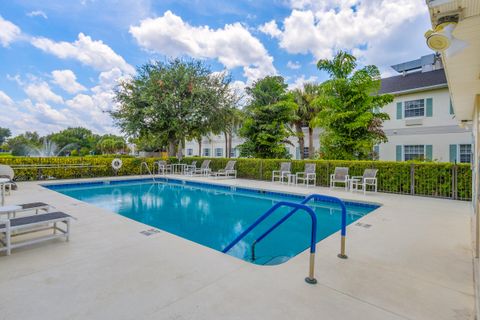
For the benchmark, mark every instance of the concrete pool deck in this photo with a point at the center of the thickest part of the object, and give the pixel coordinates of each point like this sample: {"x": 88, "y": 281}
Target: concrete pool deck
{"x": 413, "y": 262}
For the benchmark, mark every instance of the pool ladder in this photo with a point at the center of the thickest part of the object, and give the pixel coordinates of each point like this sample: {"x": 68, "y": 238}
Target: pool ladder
{"x": 313, "y": 239}
{"x": 144, "y": 164}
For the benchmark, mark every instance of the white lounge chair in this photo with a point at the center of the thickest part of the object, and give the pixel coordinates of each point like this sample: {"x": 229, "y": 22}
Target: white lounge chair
{"x": 163, "y": 167}
{"x": 30, "y": 224}
{"x": 204, "y": 168}
{"x": 8, "y": 173}
{"x": 340, "y": 176}
{"x": 369, "y": 178}
{"x": 308, "y": 175}
{"x": 229, "y": 170}
{"x": 191, "y": 167}
{"x": 281, "y": 174}
{"x": 32, "y": 206}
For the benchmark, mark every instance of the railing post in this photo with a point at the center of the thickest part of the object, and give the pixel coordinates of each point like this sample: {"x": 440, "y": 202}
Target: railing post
{"x": 454, "y": 182}
{"x": 412, "y": 179}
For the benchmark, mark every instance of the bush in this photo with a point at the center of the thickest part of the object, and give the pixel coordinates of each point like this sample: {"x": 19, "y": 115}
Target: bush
{"x": 445, "y": 180}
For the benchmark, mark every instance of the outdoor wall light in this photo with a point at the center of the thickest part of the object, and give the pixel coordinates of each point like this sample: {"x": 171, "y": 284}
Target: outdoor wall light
{"x": 441, "y": 39}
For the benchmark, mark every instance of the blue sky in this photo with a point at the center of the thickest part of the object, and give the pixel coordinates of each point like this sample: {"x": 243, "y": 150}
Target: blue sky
{"x": 60, "y": 60}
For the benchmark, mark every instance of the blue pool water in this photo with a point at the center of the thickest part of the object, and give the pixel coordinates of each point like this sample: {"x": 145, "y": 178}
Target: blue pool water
{"x": 214, "y": 215}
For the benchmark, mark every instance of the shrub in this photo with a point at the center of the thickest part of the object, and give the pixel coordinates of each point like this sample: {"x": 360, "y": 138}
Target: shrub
{"x": 445, "y": 180}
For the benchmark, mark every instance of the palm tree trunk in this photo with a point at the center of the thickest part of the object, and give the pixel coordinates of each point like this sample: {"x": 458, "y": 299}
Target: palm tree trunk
{"x": 230, "y": 145}
{"x": 311, "y": 148}
{"x": 226, "y": 144}
{"x": 199, "y": 140}
{"x": 301, "y": 139}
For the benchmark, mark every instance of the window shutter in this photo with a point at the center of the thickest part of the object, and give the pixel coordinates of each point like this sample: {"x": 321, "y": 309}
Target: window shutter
{"x": 399, "y": 110}
{"x": 453, "y": 153}
{"x": 297, "y": 153}
{"x": 428, "y": 151}
{"x": 376, "y": 149}
{"x": 399, "y": 153}
{"x": 429, "y": 107}
{"x": 451, "y": 107}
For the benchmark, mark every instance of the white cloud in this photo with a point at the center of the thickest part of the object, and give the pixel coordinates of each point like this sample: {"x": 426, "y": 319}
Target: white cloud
{"x": 9, "y": 32}
{"x": 41, "y": 92}
{"x": 323, "y": 27}
{"x": 294, "y": 65}
{"x": 271, "y": 29}
{"x": 5, "y": 100}
{"x": 37, "y": 13}
{"x": 300, "y": 82}
{"x": 93, "y": 53}
{"x": 67, "y": 80}
{"x": 233, "y": 45}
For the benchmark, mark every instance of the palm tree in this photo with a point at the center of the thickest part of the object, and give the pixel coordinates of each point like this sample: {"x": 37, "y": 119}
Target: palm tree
{"x": 307, "y": 111}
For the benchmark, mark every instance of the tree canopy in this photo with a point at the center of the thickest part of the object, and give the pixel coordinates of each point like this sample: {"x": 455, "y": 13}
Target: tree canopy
{"x": 265, "y": 126}
{"x": 172, "y": 101}
{"x": 350, "y": 109}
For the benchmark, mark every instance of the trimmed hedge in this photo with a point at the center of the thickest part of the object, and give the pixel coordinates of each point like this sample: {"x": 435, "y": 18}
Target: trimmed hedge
{"x": 444, "y": 180}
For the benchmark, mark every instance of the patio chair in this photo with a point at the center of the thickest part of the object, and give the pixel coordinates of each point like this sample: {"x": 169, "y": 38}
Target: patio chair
{"x": 163, "y": 167}
{"x": 339, "y": 176}
{"x": 204, "y": 168}
{"x": 18, "y": 208}
{"x": 282, "y": 173}
{"x": 191, "y": 167}
{"x": 8, "y": 173}
{"x": 31, "y": 224}
{"x": 307, "y": 175}
{"x": 369, "y": 178}
{"x": 229, "y": 170}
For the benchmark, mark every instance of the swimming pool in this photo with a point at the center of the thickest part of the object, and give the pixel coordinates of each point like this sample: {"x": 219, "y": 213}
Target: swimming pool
{"x": 214, "y": 215}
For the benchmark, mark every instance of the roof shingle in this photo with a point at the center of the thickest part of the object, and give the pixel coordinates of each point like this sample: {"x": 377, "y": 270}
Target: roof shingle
{"x": 413, "y": 81}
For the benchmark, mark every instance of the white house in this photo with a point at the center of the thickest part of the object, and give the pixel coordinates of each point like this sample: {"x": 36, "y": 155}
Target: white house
{"x": 422, "y": 123}
{"x": 214, "y": 145}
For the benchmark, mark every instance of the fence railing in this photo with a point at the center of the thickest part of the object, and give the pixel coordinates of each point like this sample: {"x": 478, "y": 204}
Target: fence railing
{"x": 443, "y": 180}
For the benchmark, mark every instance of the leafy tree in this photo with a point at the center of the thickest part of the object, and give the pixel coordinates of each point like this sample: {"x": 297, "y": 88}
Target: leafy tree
{"x": 305, "y": 114}
{"x": 4, "y": 134}
{"x": 110, "y": 144}
{"x": 265, "y": 127}
{"x": 21, "y": 144}
{"x": 170, "y": 101}
{"x": 350, "y": 109}
{"x": 74, "y": 138}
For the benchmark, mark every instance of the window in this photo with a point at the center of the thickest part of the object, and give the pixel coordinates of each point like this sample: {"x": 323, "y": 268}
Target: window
{"x": 414, "y": 152}
{"x": 415, "y": 108}
{"x": 206, "y": 152}
{"x": 233, "y": 153}
{"x": 465, "y": 153}
{"x": 218, "y": 152}
{"x": 189, "y": 152}
{"x": 306, "y": 154}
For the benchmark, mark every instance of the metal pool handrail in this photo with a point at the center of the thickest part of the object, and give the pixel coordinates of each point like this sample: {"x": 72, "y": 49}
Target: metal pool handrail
{"x": 318, "y": 197}
{"x": 148, "y": 170}
{"x": 313, "y": 239}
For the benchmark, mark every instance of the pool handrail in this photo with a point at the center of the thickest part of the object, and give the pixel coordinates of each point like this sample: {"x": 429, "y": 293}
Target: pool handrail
{"x": 317, "y": 197}
{"x": 145, "y": 164}
{"x": 313, "y": 239}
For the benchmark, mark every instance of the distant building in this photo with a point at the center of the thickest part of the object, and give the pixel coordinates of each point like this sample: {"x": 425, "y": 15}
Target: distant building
{"x": 422, "y": 123}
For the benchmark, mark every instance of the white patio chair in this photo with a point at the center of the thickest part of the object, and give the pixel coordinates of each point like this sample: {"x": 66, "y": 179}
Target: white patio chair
{"x": 369, "y": 178}
{"x": 229, "y": 170}
{"x": 163, "y": 167}
{"x": 204, "y": 168}
{"x": 282, "y": 173}
{"x": 189, "y": 169}
{"x": 308, "y": 175}
{"x": 339, "y": 176}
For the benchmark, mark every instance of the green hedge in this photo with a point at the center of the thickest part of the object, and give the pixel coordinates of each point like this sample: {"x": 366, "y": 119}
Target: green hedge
{"x": 444, "y": 180}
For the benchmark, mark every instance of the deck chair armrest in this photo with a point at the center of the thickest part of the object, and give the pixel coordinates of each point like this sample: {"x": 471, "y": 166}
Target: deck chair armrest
{"x": 370, "y": 179}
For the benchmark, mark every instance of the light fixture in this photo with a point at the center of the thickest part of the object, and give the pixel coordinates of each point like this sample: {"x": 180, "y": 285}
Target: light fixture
{"x": 441, "y": 39}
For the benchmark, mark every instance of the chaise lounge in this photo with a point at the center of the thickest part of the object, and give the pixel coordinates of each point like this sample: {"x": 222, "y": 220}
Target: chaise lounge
{"x": 229, "y": 170}
{"x": 29, "y": 224}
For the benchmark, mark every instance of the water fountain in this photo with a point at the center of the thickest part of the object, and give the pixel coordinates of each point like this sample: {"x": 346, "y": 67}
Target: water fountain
{"x": 48, "y": 149}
